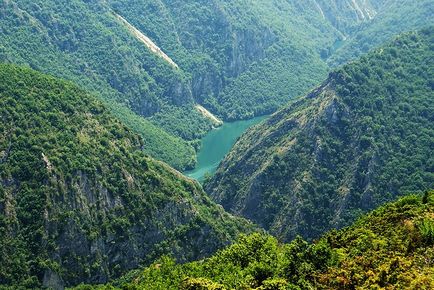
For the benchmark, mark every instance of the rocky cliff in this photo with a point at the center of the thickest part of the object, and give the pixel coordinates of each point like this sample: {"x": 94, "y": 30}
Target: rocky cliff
{"x": 238, "y": 59}
{"x": 79, "y": 200}
{"x": 362, "y": 138}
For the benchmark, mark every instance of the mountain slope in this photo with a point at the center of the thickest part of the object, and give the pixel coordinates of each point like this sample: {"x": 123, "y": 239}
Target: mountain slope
{"x": 391, "y": 248}
{"x": 79, "y": 200}
{"x": 84, "y": 42}
{"x": 154, "y": 62}
{"x": 363, "y": 138}
{"x": 393, "y": 17}
{"x": 229, "y": 48}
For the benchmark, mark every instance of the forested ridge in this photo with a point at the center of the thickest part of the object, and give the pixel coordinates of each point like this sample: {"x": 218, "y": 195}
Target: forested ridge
{"x": 395, "y": 17}
{"x": 83, "y": 42}
{"x": 104, "y": 102}
{"x": 364, "y": 137}
{"x": 390, "y": 248}
{"x": 238, "y": 59}
{"x": 79, "y": 200}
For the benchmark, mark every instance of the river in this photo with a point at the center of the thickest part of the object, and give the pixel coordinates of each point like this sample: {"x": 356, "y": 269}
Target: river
{"x": 216, "y": 144}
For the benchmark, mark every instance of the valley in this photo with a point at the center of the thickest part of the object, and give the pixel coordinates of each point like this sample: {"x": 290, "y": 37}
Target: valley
{"x": 236, "y": 59}
{"x": 341, "y": 150}
{"x": 216, "y": 145}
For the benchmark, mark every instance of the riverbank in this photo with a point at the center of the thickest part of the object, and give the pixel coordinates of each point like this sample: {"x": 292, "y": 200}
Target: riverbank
{"x": 216, "y": 144}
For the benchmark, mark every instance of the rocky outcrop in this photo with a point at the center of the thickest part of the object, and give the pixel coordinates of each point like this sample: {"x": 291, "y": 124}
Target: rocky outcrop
{"x": 145, "y": 40}
{"x": 347, "y": 15}
{"x": 343, "y": 149}
{"x": 79, "y": 200}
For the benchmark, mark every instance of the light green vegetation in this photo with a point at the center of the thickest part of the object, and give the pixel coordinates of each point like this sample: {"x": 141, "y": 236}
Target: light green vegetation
{"x": 79, "y": 200}
{"x": 364, "y": 137}
{"x": 391, "y": 248}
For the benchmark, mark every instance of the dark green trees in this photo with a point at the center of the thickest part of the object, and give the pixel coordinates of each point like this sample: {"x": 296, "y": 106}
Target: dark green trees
{"x": 385, "y": 249}
{"x": 363, "y": 138}
{"x": 79, "y": 200}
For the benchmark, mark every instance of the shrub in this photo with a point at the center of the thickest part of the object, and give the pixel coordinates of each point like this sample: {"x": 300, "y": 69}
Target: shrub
{"x": 426, "y": 229}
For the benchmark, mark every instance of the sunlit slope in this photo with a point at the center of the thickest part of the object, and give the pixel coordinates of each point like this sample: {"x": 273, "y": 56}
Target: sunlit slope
{"x": 364, "y": 137}
{"x": 79, "y": 200}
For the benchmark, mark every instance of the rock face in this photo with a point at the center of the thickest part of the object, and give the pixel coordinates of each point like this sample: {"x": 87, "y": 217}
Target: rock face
{"x": 347, "y": 15}
{"x": 391, "y": 18}
{"x": 213, "y": 42}
{"x": 397, "y": 237}
{"x": 238, "y": 59}
{"x": 79, "y": 201}
{"x": 362, "y": 138}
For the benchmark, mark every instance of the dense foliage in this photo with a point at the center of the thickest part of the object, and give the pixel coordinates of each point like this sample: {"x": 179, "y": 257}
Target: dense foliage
{"x": 237, "y": 58}
{"x": 233, "y": 44}
{"x": 82, "y": 41}
{"x": 83, "y": 200}
{"x": 391, "y": 248}
{"x": 79, "y": 200}
{"x": 392, "y": 18}
{"x": 363, "y": 138}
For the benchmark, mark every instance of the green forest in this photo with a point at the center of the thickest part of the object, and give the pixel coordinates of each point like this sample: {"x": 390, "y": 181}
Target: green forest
{"x": 390, "y": 248}
{"x": 78, "y": 197}
{"x": 364, "y": 137}
{"x": 116, "y": 115}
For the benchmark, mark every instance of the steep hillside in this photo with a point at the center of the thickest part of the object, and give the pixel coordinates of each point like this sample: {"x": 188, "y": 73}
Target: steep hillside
{"x": 391, "y": 248}
{"x": 79, "y": 200}
{"x": 154, "y": 62}
{"x": 392, "y": 18}
{"x": 84, "y": 42}
{"x": 239, "y": 52}
{"x": 364, "y": 137}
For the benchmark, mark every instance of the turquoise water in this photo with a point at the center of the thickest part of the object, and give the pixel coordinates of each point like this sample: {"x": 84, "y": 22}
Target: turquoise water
{"x": 216, "y": 144}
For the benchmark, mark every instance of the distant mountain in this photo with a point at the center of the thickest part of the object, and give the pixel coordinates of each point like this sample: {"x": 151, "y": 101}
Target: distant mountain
{"x": 364, "y": 137}
{"x": 392, "y": 247}
{"x": 153, "y": 62}
{"x": 392, "y": 18}
{"x": 79, "y": 200}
